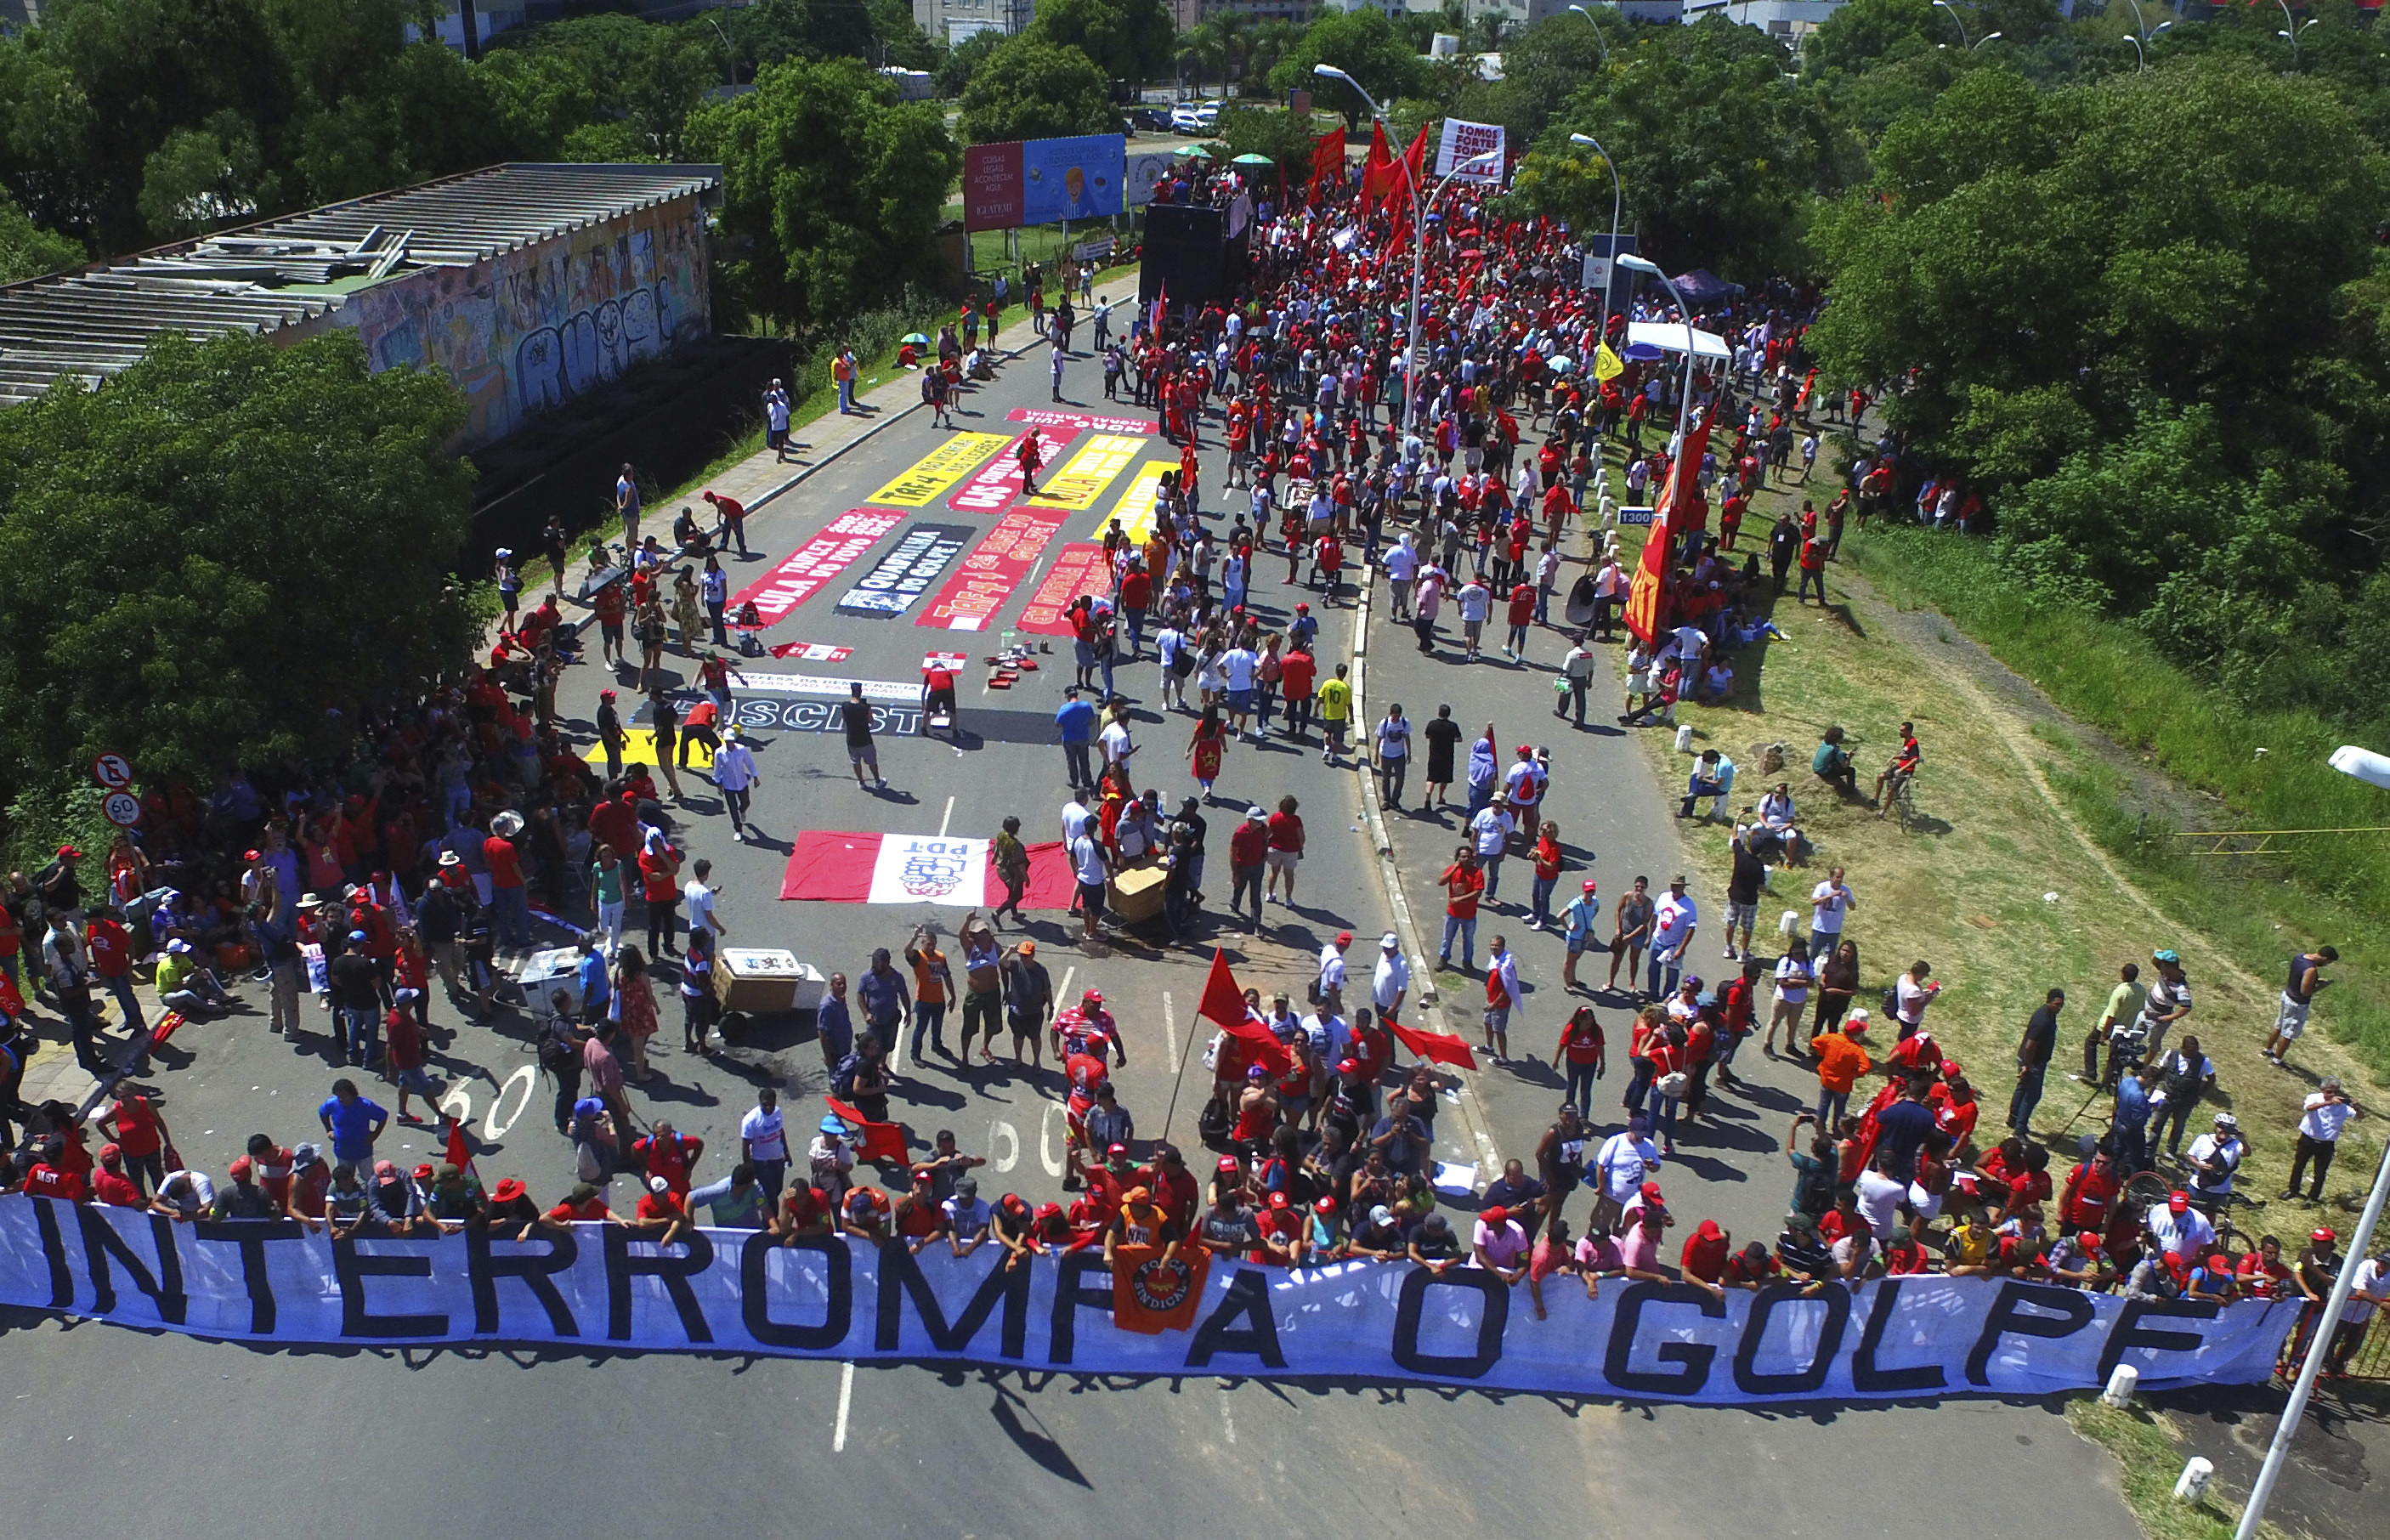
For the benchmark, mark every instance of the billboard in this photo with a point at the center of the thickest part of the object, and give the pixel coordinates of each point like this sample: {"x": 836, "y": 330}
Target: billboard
{"x": 1076, "y": 178}
{"x": 1043, "y": 181}
{"x": 1147, "y": 169}
{"x": 1463, "y": 141}
{"x": 992, "y": 187}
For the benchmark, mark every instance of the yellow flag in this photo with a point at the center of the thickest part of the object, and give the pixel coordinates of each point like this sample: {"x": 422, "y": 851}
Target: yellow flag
{"x": 1606, "y": 364}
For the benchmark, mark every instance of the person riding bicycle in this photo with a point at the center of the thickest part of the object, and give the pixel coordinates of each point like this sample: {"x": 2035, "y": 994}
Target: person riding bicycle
{"x": 1897, "y": 774}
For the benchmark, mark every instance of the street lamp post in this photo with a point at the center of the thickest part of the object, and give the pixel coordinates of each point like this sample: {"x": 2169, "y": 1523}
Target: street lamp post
{"x": 2139, "y": 52}
{"x": 1617, "y": 200}
{"x": 2374, "y": 770}
{"x": 1955, "y": 20}
{"x": 1597, "y": 33}
{"x": 1419, "y": 238}
{"x": 1685, "y": 403}
{"x": 2291, "y": 28}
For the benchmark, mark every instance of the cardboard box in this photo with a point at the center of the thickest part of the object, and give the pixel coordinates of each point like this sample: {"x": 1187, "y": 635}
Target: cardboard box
{"x": 1136, "y": 895}
{"x": 757, "y": 979}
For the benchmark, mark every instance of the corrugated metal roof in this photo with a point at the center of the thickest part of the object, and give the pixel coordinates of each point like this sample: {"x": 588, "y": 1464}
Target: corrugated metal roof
{"x": 266, "y": 276}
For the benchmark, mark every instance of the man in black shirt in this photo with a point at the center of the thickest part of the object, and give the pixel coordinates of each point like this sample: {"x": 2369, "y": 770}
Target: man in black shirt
{"x": 855, "y": 714}
{"x": 354, "y": 985}
{"x": 1518, "y": 1192}
{"x": 1805, "y": 1258}
{"x": 1742, "y": 890}
{"x": 2033, "y": 1060}
{"x": 1443, "y": 736}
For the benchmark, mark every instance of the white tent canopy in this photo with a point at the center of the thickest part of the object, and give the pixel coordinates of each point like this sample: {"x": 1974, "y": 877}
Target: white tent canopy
{"x": 1669, "y": 335}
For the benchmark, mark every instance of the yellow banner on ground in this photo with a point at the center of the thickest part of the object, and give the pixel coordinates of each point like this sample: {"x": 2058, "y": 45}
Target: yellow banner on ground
{"x": 639, "y": 748}
{"x": 940, "y": 468}
{"x": 1135, "y": 512}
{"x": 1080, "y": 483}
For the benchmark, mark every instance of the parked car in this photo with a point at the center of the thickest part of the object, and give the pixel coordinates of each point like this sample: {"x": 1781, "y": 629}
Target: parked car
{"x": 1195, "y": 118}
{"x": 1150, "y": 120}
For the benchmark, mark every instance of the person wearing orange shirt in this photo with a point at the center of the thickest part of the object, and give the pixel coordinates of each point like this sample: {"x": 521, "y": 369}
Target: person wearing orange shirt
{"x": 1841, "y": 1061}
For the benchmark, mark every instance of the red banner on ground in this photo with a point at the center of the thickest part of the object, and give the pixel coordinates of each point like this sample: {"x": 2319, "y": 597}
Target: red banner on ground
{"x": 807, "y": 570}
{"x": 835, "y": 866}
{"x": 1077, "y": 570}
{"x": 997, "y": 484}
{"x": 1079, "y": 422}
{"x": 990, "y": 573}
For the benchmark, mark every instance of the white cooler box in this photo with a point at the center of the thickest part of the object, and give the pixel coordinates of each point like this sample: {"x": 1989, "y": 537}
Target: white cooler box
{"x": 545, "y": 973}
{"x": 760, "y": 979}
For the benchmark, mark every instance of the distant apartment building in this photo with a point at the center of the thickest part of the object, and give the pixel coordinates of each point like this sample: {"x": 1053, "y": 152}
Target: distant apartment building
{"x": 955, "y": 20}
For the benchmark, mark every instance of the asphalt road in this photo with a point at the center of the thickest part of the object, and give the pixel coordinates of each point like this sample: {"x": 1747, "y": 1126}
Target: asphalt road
{"x": 113, "y": 1425}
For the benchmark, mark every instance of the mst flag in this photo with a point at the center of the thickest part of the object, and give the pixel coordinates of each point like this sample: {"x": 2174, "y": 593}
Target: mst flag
{"x": 1679, "y": 509}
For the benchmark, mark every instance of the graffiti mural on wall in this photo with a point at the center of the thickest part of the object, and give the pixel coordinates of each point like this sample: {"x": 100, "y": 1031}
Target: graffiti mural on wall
{"x": 527, "y": 331}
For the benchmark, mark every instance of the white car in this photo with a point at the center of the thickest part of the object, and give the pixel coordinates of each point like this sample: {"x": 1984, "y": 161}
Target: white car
{"x": 1195, "y": 118}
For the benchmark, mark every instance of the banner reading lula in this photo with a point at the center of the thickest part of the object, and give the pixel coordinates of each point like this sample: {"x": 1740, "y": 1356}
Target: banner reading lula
{"x": 735, "y": 1293}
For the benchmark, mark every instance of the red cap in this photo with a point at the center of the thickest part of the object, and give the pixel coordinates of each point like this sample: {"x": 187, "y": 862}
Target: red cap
{"x": 251, "y": 855}
{"x": 67, "y": 852}
{"x": 2178, "y": 1202}
{"x": 1116, "y": 1150}
{"x": 2088, "y": 1242}
{"x": 1709, "y": 1230}
{"x": 1279, "y": 1200}
{"x": 1325, "y": 1205}
{"x": 241, "y": 1167}
{"x": 2321, "y": 1232}
{"x": 1652, "y": 1192}
{"x": 1590, "y": 885}
{"x": 1343, "y": 938}
{"x": 1095, "y": 995}
{"x": 1526, "y": 747}
{"x": 1228, "y": 1163}
{"x": 2173, "y": 1258}
{"x": 1049, "y": 1210}
{"x": 110, "y": 1151}
{"x": 1498, "y": 1214}
{"x": 508, "y": 1190}
{"x": 423, "y": 1171}
{"x": 1950, "y": 1070}
{"x": 1348, "y": 1065}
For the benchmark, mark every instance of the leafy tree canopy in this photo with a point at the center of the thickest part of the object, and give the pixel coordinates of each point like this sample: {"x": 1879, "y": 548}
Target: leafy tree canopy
{"x": 1032, "y": 89}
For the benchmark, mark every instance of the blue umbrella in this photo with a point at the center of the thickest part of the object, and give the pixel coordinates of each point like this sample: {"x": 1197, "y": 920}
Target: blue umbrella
{"x": 1642, "y": 352}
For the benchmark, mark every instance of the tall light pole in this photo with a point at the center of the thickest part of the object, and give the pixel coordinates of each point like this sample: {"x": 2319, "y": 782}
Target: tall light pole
{"x": 1685, "y": 401}
{"x": 2291, "y": 28}
{"x": 2139, "y": 52}
{"x": 1419, "y": 207}
{"x": 1597, "y": 33}
{"x": 2374, "y": 770}
{"x": 1955, "y": 20}
{"x": 1617, "y": 198}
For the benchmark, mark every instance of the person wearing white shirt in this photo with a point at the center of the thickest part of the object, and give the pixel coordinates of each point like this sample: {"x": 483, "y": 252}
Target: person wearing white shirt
{"x": 1391, "y": 981}
{"x": 2176, "y": 1226}
{"x": 764, "y": 1144}
{"x": 1331, "y": 970}
{"x": 2369, "y": 1289}
{"x": 1393, "y": 746}
{"x": 1491, "y": 829}
{"x": 734, "y": 774}
{"x": 2327, "y": 1110}
{"x": 1879, "y": 1196}
{"x": 2215, "y": 1156}
{"x": 1674, "y": 921}
{"x": 1828, "y": 902}
{"x": 1476, "y": 602}
{"x": 1238, "y": 667}
{"x": 1117, "y": 746}
{"x": 1620, "y": 1168}
{"x": 700, "y": 898}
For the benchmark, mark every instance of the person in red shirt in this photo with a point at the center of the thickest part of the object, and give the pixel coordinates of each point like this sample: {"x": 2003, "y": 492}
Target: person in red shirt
{"x": 1082, "y": 1073}
{"x": 662, "y": 1213}
{"x": 1247, "y": 851}
{"x": 1463, "y": 881}
{"x": 1297, "y": 673}
{"x": 669, "y": 1155}
{"x": 110, "y": 1185}
{"x": 404, "y": 1056}
{"x": 1904, "y": 1256}
{"x": 2090, "y": 1193}
{"x": 1705, "y": 1253}
{"x": 582, "y": 1204}
{"x": 141, "y": 1134}
{"x": 805, "y": 1211}
{"x": 1285, "y": 850}
{"x": 509, "y": 903}
{"x": 111, "y": 959}
{"x": 50, "y": 1178}
{"x": 1176, "y": 1190}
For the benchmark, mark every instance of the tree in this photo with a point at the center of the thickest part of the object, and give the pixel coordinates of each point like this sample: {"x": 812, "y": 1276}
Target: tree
{"x": 1129, "y": 40}
{"x": 1032, "y": 89}
{"x": 222, "y": 553}
{"x": 1718, "y": 152}
{"x": 1542, "y": 66}
{"x": 775, "y": 30}
{"x": 27, "y": 250}
{"x": 1365, "y": 46}
{"x": 963, "y": 60}
{"x": 833, "y": 189}
{"x": 2037, "y": 266}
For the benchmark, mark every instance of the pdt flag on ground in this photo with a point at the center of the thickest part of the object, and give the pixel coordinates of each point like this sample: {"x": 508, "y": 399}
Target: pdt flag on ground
{"x": 838, "y": 867}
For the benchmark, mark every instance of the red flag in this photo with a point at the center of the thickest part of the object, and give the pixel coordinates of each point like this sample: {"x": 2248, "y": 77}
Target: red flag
{"x": 12, "y": 1002}
{"x": 880, "y": 1142}
{"x": 1327, "y": 160}
{"x": 460, "y": 1155}
{"x": 1377, "y": 173}
{"x": 1679, "y": 509}
{"x": 1442, "y": 1047}
{"x": 1414, "y": 166}
{"x": 1223, "y": 1002}
{"x": 157, "y": 1034}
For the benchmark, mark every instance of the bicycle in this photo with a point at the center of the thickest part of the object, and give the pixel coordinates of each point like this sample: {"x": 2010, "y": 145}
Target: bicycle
{"x": 1899, "y": 792}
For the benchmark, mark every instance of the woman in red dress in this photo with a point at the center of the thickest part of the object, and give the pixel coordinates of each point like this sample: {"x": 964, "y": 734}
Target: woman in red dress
{"x": 1204, "y": 748}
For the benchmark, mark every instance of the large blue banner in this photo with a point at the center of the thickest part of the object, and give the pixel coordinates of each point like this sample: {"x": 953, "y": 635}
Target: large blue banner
{"x": 733, "y": 1292}
{"x": 1078, "y": 178}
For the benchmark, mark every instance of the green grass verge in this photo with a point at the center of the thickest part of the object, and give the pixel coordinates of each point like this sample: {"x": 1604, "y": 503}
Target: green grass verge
{"x": 2322, "y": 887}
{"x": 2149, "y": 1461}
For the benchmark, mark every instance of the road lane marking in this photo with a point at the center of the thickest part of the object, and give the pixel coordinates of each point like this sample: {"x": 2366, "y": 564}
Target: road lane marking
{"x": 1045, "y": 1140}
{"x": 458, "y": 1104}
{"x": 948, "y": 818}
{"x": 1002, "y": 1133}
{"x": 529, "y": 1076}
{"x": 846, "y": 1399}
{"x": 1170, "y": 1026}
{"x": 1228, "y": 1419}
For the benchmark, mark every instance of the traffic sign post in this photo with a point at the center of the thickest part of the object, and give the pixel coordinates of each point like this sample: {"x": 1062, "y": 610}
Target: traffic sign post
{"x": 123, "y": 809}
{"x": 112, "y": 771}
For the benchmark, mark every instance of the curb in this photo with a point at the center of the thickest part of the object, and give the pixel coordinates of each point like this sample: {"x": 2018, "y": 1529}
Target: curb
{"x": 1405, "y": 927}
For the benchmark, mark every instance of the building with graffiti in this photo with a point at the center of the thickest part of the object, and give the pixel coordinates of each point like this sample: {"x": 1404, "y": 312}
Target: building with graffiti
{"x": 528, "y": 285}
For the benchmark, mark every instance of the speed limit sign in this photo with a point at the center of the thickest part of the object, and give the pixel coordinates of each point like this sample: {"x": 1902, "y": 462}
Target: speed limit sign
{"x": 112, "y": 771}
{"x": 123, "y": 809}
